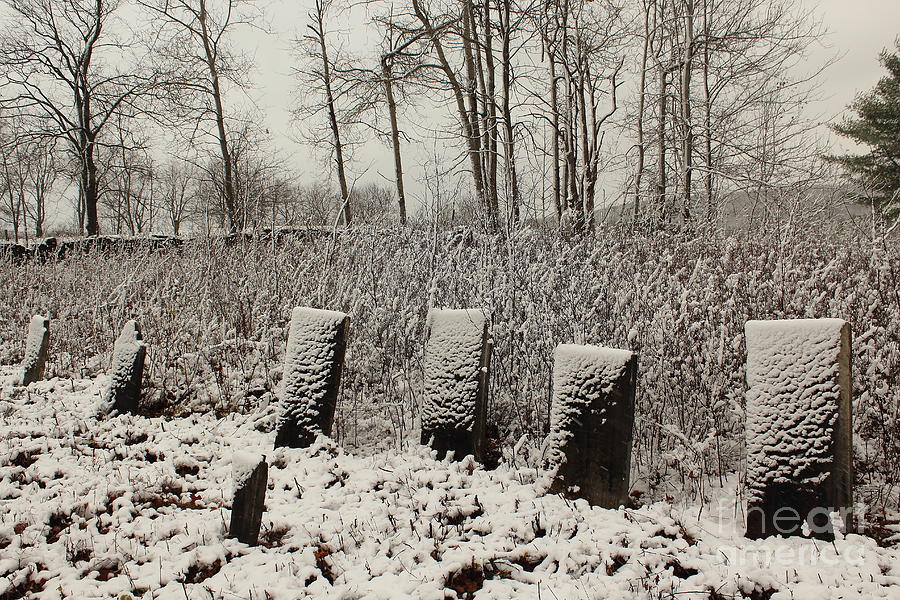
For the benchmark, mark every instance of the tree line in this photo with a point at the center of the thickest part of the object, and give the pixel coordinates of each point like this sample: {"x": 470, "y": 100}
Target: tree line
{"x": 546, "y": 106}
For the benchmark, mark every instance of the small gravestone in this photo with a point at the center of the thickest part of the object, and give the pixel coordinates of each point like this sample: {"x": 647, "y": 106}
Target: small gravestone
{"x": 591, "y": 420}
{"x": 317, "y": 341}
{"x": 37, "y": 347}
{"x": 799, "y": 450}
{"x": 250, "y": 477}
{"x": 456, "y": 372}
{"x": 124, "y": 392}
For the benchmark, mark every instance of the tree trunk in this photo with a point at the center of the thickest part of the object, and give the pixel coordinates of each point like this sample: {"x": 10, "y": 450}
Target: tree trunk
{"x": 90, "y": 188}
{"x": 688, "y": 149}
{"x": 332, "y": 118}
{"x": 661, "y": 145}
{"x": 470, "y": 132}
{"x": 39, "y": 208}
{"x": 227, "y": 167}
{"x": 490, "y": 112}
{"x": 707, "y": 116}
{"x": 472, "y": 116}
{"x": 554, "y": 107}
{"x": 642, "y": 97}
{"x": 395, "y": 137}
{"x": 509, "y": 142}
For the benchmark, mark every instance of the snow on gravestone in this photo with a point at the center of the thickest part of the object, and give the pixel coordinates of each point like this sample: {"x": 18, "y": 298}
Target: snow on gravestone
{"x": 455, "y": 369}
{"x": 317, "y": 340}
{"x": 250, "y": 476}
{"x": 124, "y": 391}
{"x": 37, "y": 346}
{"x": 799, "y": 466}
{"x": 591, "y": 421}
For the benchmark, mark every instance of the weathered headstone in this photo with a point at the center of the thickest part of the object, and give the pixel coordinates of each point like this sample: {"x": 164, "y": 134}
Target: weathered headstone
{"x": 37, "y": 347}
{"x": 799, "y": 449}
{"x": 317, "y": 341}
{"x": 250, "y": 477}
{"x": 591, "y": 420}
{"x": 124, "y": 392}
{"x": 456, "y": 372}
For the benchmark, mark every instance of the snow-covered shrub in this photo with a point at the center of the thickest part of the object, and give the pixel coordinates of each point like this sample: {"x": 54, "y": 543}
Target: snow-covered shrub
{"x": 218, "y": 317}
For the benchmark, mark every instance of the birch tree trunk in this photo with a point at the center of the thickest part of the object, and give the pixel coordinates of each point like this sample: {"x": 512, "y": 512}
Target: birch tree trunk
{"x": 387, "y": 76}
{"x": 642, "y": 97}
{"x": 688, "y": 142}
{"x": 318, "y": 28}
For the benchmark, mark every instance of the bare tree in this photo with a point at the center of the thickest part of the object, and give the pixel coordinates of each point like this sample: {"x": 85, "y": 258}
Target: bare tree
{"x": 319, "y": 74}
{"x": 400, "y": 61}
{"x": 192, "y": 46}
{"x": 176, "y": 188}
{"x": 42, "y": 174}
{"x": 373, "y": 203}
{"x": 745, "y": 58}
{"x": 57, "y": 60}
{"x": 13, "y": 184}
{"x": 313, "y": 204}
{"x": 129, "y": 181}
{"x": 28, "y": 171}
{"x": 463, "y": 91}
{"x": 584, "y": 45}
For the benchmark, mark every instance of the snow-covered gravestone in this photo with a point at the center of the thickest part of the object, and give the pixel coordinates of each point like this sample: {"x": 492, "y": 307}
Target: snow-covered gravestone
{"x": 124, "y": 392}
{"x": 591, "y": 419}
{"x": 37, "y": 346}
{"x": 317, "y": 340}
{"x": 250, "y": 476}
{"x": 799, "y": 450}
{"x": 456, "y": 364}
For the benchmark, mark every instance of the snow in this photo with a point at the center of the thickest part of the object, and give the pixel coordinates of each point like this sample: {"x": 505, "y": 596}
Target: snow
{"x": 37, "y": 328}
{"x": 451, "y": 368}
{"x": 96, "y": 508}
{"x": 582, "y": 375}
{"x": 792, "y": 401}
{"x": 313, "y": 339}
{"x": 125, "y": 351}
{"x": 242, "y": 466}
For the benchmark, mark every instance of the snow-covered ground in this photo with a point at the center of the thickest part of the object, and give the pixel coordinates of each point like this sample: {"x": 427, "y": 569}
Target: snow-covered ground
{"x": 136, "y": 507}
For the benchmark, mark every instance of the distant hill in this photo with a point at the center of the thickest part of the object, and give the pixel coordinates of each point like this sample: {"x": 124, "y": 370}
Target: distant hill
{"x": 826, "y": 204}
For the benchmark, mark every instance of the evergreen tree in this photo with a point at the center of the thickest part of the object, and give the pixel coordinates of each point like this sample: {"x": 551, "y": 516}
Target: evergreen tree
{"x": 878, "y": 127}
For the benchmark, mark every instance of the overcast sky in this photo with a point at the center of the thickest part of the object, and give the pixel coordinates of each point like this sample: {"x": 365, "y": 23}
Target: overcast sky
{"x": 859, "y": 30}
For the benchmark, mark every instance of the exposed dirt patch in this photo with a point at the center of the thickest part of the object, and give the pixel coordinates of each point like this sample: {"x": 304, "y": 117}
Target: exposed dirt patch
{"x": 466, "y": 581}
{"x": 199, "y": 573}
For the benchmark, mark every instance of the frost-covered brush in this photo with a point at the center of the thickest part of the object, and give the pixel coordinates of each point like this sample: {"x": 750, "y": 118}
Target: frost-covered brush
{"x": 217, "y": 317}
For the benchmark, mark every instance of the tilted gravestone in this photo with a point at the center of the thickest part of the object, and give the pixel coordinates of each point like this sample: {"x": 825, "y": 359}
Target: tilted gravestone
{"x": 250, "y": 476}
{"x": 591, "y": 420}
{"x": 799, "y": 448}
{"x": 317, "y": 341}
{"x": 124, "y": 392}
{"x": 37, "y": 347}
{"x": 456, "y": 372}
